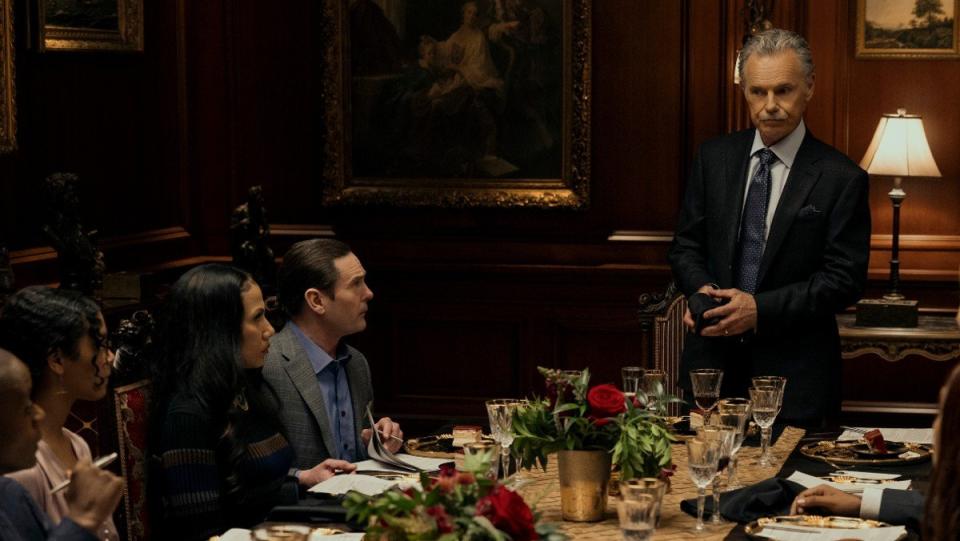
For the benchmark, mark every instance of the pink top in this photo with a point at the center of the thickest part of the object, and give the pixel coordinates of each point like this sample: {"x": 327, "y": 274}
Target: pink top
{"x": 48, "y": 473}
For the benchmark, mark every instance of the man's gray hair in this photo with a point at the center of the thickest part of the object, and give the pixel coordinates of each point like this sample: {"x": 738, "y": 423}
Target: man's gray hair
{"x": 774, "y": 41}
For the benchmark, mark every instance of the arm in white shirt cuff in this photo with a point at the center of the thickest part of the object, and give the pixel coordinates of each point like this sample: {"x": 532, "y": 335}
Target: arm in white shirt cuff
{"x": 870, "y": 503}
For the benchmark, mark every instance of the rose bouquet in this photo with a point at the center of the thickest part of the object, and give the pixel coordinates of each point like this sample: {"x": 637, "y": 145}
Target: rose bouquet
{"x": 453, "y": 506}
{"x": 576, "y": 417}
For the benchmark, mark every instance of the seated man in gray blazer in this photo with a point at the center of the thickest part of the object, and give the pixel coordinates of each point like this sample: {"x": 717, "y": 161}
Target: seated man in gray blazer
{"x": 323, "y": 384}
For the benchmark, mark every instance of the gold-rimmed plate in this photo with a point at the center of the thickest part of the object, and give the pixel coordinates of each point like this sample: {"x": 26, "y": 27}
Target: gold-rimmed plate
{"x": 801, "y": 523}
{"x": 845, "y": 454}
{"x": 436, "y": 446}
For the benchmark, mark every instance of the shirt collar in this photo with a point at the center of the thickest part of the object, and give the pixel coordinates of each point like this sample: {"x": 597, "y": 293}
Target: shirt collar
{"x": 786, "y": 149}
{"x": 319, "y": 359}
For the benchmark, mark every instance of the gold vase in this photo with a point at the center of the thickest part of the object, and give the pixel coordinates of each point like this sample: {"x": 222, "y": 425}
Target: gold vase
{"x": 584, "y": 476}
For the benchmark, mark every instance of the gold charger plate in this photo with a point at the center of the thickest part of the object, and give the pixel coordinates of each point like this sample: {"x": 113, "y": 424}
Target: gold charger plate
{"x": 437, "y": 446}
{"x": 796, "y": 523}
{"x": 843, "y": 454}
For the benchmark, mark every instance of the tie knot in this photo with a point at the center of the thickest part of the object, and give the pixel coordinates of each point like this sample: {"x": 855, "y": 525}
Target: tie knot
{"x": 766, "y": 156}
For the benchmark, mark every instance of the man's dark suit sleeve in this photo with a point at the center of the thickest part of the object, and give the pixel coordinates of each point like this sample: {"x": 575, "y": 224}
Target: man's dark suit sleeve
{"x": 689, "y": 252}
{"x": 842, "y": 275}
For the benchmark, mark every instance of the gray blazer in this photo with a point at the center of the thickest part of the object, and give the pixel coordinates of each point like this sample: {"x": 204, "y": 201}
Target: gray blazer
{"x": 302, "y": 409}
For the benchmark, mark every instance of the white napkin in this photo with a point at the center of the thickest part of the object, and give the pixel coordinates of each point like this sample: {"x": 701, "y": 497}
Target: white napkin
{"x": 912, "y": 435}
{"x": 364, "y": 484}
{"x": 810, "y": 481}
{"x": 866, "y": 534}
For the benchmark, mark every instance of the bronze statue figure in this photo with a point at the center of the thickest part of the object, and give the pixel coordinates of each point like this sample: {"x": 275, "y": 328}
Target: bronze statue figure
{"x": 250, "y": 241}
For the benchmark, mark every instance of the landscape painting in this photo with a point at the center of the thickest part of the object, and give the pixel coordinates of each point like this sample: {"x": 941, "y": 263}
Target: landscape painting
{"x": 80, "y": 25}
{"x": 907, "y": 28}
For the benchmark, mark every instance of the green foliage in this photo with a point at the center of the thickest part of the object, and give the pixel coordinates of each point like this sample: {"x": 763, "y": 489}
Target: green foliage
{"x": 638, "y": 438}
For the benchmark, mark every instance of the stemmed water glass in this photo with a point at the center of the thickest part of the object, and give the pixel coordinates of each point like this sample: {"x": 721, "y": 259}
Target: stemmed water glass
{"x": 764, "y": 404}
{"x": 780, "y": 384}
{"x": 500, "y": 413}
{"x": 723, "y": 436}
{"x": 734, "y": 412}
{"x": 706, "y": 389}
{"x": 703, "y": 457}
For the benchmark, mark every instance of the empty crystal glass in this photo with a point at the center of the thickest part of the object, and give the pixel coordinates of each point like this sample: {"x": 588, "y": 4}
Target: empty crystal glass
{"x": 734, "y": 412}
{"x": 631, "y": 380}
{"x": 723, "y": 436}
{"x": 703, "y": 457}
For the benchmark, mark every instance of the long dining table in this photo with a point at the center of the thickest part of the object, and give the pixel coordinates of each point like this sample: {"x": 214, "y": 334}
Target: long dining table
{"x": 542, "y": 488}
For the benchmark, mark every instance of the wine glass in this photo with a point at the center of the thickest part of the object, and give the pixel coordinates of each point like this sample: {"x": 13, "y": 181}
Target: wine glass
{"x": 654, "y": 381}
{"x": 723, "y": 436}
{"x": 765, "y": 409}
{"x": 778, "y": 382}
{"x": 500, "y": 413}
{"x": 703, "y": 457}
{"x": 706, "y": 389}
{"x": 631, "y": 380}
{"x": 734, "y": 412}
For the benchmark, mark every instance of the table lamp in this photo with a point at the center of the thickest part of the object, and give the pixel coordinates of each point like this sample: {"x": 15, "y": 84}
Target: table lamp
{"x": 899, "y": 149}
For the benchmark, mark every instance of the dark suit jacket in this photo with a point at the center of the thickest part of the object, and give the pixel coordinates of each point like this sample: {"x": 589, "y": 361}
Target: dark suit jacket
{"x": 814, "y": 265}
{"x": 902, "y": 507}
{"x": 302, "y": 409}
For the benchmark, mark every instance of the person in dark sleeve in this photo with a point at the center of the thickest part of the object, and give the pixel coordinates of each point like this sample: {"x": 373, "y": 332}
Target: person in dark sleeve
{"x": 221, "y": 459}
{"x": 776, "y": 224}
{"x": 92, "y": 495}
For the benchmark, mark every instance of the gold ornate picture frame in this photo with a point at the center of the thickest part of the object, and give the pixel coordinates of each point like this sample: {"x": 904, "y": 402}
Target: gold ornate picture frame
{"x": 91, "y": 25}
{"x": 895, "y": 29}
{"x": 475, "y": 103}
{"x": 8, "y": 123}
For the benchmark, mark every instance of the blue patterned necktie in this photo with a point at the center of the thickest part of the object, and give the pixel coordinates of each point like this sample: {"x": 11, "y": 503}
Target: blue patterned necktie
{"x": 754, "y": 224}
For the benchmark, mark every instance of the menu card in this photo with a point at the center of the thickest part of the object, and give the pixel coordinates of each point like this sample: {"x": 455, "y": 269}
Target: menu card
{"x": 364, "y": 484}
{"x": 803, "y": 533}
{"x": 383, "y": 460}
{"x": 810, "y": 481}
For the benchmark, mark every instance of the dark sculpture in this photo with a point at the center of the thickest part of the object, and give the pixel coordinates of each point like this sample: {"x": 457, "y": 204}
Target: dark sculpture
{"x": 6, "y": 275}
{"x": 80, "y": 262}
{"x": 131, "y": 338}
{"x": 250, "y": 241}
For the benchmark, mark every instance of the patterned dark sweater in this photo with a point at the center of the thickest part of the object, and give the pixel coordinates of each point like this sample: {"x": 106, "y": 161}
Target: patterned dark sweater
{"x": 194, "y": 473}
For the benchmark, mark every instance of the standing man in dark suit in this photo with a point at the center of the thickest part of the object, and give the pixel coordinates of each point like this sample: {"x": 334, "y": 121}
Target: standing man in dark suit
{"x": 324, "y": 385}
{"x": 776, "y": 224}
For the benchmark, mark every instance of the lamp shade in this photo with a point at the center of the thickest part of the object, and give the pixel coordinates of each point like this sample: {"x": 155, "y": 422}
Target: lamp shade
{"x": 899, "y": 148}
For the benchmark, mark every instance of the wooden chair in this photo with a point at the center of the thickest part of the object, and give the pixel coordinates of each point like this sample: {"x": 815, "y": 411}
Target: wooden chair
{"x": 132, "y": 403}
{"x": 661, "y": 321}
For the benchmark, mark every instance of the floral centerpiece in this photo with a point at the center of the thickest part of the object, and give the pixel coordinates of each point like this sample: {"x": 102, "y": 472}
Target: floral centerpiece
{"x": 574, "y": 417}
{"x": 451, "y": 507}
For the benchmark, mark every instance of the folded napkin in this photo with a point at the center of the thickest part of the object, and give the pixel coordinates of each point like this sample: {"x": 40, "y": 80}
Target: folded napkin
{"x": 765, "y": 499}
{"x": 912, "y": 435}
{"x": 799, "y": 533}
{"x": 810, "y": 481}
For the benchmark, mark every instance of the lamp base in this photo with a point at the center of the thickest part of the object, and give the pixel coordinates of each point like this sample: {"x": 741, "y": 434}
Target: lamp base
{"x": 886, "y": 312}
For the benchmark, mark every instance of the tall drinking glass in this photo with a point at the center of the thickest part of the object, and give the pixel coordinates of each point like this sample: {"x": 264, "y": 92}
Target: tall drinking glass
{"x": 734, "y": 412}
{"x": 489, "y": 451}
{"x": 723, "y": 436}
{"x": 637, "y": 514}
{"x": 645, "y": 485}
{"x": 631, "y": 380}
{"x": 706, "y": 389}
{"x": 765, "y": 408}
{"x": 703, "y": 457}
{"x": 500, "y": 413}
{"x": 653, "y": 384}
{"x": 778, "y": 382}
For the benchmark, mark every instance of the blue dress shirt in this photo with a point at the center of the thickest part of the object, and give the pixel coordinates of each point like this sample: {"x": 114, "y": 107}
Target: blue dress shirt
{"x": 332, "y": 378}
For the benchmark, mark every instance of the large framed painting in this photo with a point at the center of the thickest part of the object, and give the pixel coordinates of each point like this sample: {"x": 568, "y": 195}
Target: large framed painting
{"x": 8, "y": 123}
{"x": 84, "y": 25}
{"x": 476, "y": 103}
{"x": 907, "y": 29}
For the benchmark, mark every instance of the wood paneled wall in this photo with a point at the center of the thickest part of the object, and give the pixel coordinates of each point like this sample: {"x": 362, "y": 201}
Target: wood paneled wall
{"x": 225, "y": 95}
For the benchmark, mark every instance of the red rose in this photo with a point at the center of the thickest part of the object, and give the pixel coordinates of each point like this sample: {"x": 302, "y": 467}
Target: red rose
{"x": 606, "y": 401}
{"x": 466, "y": 478}
{"x": 507, "y": 511}
{"x": 443, "y": 520}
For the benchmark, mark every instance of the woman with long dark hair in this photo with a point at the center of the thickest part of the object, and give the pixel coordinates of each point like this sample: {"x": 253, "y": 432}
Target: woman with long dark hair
{"x": 62, "y": 338}
{"x": 222, "y": 458}
{"x": 942, "y": 515}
